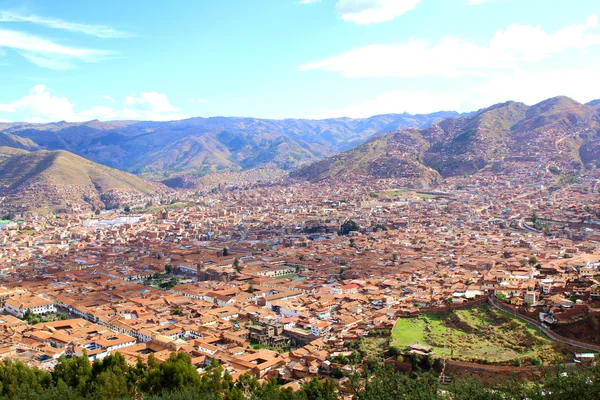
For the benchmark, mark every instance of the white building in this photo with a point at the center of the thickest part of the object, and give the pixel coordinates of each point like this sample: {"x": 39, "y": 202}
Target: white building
{"x": 34, "y": 304}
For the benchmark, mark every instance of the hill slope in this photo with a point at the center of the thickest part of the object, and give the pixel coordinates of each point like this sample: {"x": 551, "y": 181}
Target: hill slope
{"x": 557, "y": 131}
{"x": 197, "y": 145}
{"x": 17, "y": 142}
{"x": 59, "y": 180}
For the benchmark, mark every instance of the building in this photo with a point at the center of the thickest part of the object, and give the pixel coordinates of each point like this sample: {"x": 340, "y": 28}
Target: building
{"x": 530, "y": 298}
{"x": 34, "y": 304}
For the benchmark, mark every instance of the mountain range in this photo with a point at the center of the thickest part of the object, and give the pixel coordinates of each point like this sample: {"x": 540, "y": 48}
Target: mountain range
{"x": 198, "y": 145}
{"x": 95, "y": 165}
{"x": 557, "y": 132}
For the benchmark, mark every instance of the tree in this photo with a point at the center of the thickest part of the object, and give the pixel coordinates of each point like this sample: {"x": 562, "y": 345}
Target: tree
{"x": 127, "y": 209}
{"x": 10, "y": 216}
{"x": 387, "y": 384}
{"x": 170, "y": 284}
{"x": 109, "y": 377}
{"x": 177, "y": 379}
{"x": 168, "y": 269}
{"x": 236, "y": 265}
{"x": 176, "y": 373}
{"x": 225, "y": 252}
{"x": 31, "y": 318}
{"x": 470, "y": 388}
{"x": 61, "y": 316}
{"x": 75, "y": 372}
{"x": 532, "y": 260}
{"x": 17, "y": 379}
{"x": 319, "y": 390}
{"x": 347, "y": 227}
{"x": 554, "y": 169}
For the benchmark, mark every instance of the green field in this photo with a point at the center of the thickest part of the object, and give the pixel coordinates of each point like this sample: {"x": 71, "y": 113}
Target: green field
{"x": 174, "y": 206}
{"x": 477, "y": 334}
{"x": 426, "y": 195}
{"x": 393, "y": 193}
{"x": 287, "y": 276}
{"x": 404, "y": 193}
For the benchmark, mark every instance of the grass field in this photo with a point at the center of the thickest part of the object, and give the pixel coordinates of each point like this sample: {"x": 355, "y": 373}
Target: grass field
{"x": 393, "y": 193}
{"x": 174, "y": 206}
{"x": 406, "y": 193}
{"x": 426, "y": 195}
{"x": 373, "y": 347}
{"x": 477, "y": 334}
{"x": 287, "y": 276}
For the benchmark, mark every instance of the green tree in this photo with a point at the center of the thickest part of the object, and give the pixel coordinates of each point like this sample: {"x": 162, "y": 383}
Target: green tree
{"x": 236, "y": 265}
{"x": 17, "y": 379}
{"x": 109, "y": 377}
{"x": 175, "y": 373}
{"x": 472, "y": 389}
{"x": 76, "y": 372}
{"x": 532, "y": 260}
{"x": 347, "y": 227}
{"x": 319, "y": 390}
{"x": 31, "y": 318}
{"x": 387, "y": 384}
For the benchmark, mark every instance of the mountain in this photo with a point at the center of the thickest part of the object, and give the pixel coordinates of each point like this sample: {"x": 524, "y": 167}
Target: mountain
{"x": 7, "y": 152}
{"x": 199, "y": 145}
{"x": 594, "y": 104}
{"x": 17, "y": 142}
{"x": 558, "y": 131}
{"x": 58, "y": 180}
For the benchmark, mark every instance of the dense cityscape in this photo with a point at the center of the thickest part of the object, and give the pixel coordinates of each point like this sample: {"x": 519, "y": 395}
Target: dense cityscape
{"x": 280, "y": 279}
{"x": 299, "y": 200}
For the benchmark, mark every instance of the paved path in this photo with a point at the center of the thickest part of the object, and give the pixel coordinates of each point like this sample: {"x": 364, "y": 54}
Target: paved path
{"x": 552, "y": 335}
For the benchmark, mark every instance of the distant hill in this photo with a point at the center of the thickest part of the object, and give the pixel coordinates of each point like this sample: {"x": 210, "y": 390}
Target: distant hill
{"x": 557, "y": 131}
{"x": 594, "y": 103}
{"x": 58, "y": 180}
{"x": 17, "y": 142}
{"x": 199, "y": 145}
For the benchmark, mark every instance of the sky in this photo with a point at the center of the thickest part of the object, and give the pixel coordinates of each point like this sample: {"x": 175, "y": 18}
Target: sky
{"x": 165, "y": 60}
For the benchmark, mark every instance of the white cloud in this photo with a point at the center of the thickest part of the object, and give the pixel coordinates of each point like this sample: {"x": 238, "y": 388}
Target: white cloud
{"x": 46, "y": 53}
{"x": 197, "y": 100}
{"x": 309, "y": 1}
{"x": 48, "y": 62}
{"x": 151, "y": 106}
{"x": 40, "y": 105}
{"x": 410, "y": 101}
{"x": 453, "y": 57}
{"x": 100, "y": 31}
{"x": 365, "y": 12}
{"x": 529, "y": 87}
{"x": 478, "y": 2}
{"x": 109, "y": 98}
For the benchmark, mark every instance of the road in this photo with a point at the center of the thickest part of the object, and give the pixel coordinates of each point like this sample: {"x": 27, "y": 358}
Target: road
{"x": 552, "y": 335}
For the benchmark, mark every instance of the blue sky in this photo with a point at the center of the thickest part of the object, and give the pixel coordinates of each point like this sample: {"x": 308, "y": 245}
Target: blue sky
{"x": 158, "y": 60}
